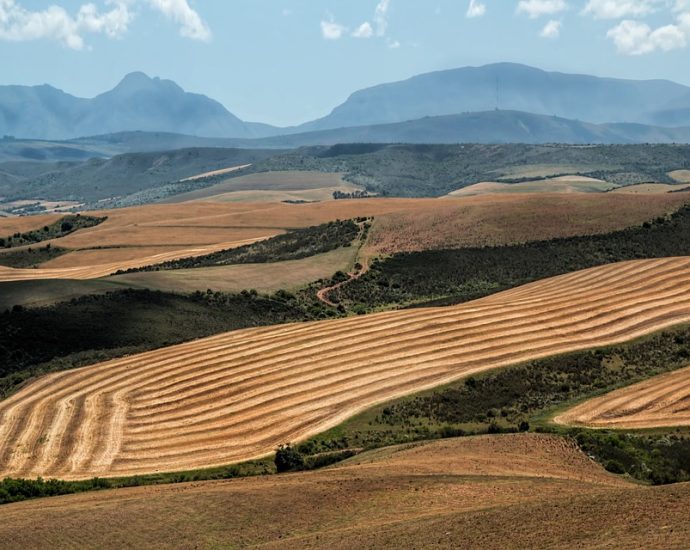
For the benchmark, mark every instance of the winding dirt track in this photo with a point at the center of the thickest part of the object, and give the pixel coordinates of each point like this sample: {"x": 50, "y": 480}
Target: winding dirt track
{"x": 8, "y": 274}
{"x": 235, "y": 396}
{"x": 660, "y": 402}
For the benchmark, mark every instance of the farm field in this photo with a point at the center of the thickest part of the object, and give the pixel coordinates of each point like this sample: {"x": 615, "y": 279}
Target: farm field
{"x": 660, "y": 402}
{"x": 99, "y": 268}
{"x": 267, "y": 184}
{"x": 236, "y": 396}
{"x": 133, "y": 237}
{"x": 267, "y": 277}
{"x": 559, "y": 184}
{"x": 492, "y": 220}
{"x": 648, "y": 188}
{"x": 509, "y": 491}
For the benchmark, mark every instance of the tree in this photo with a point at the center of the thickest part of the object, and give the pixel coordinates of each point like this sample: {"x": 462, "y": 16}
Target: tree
{"x": 288, "y": 459}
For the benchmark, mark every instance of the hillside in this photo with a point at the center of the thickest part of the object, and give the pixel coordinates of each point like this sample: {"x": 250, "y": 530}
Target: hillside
{"x": 136, "y": 103}
{"x": 501, "y": 492}
{"x": 236, "y": 396}
{"x": 102, "y": 178}
{"x": 516, "y": 87}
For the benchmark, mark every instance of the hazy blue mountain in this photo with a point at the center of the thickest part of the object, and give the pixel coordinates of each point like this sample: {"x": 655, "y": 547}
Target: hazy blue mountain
{"x": 136, "y": 103}
{"x": 510, "y": 86}
{"x": 486, "y": 127}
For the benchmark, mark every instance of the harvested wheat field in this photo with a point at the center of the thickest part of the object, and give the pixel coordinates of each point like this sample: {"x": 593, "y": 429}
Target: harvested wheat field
{"x": 130, "y": 237}
{"x": 660, "y": 402}
{"x": 508, "y": 491}
{"x": 560, "y": 184}
{"x": 96, "y": 270}
{"x": 237, "y": 395}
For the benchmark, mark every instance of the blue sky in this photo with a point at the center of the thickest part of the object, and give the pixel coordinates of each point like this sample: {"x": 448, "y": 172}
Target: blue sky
{"x": 288, "y": 61}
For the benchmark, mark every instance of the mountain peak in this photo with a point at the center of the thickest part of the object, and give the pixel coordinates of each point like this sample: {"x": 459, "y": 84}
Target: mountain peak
{"x": 138, "y": 82}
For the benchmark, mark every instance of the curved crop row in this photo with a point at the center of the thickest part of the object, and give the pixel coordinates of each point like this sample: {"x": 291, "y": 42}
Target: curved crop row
{"x": 236, "y": 396}
{"x": 660, "y": 402}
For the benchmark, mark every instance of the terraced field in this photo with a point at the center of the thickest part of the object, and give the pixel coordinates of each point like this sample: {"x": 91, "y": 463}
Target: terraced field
{"x": 237, "y": 395}
{"x": 660, "y": 402}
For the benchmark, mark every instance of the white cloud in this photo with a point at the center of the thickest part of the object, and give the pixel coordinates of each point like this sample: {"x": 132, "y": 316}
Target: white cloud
{"x": 365, "y": 30}
{"x": 552, "y": 29}
{"x": 381, "y": 17}
{"x": 393, "y": 44}
{"x": 20, "y": 24}
{"x": 331, "y": 30}
{"x": 191, "y": 24}
{"x": 636, "y": 38}
{"x": 537, "y": 8}
{"x": 475, "y": 9}
{"x": 617, "y": 9}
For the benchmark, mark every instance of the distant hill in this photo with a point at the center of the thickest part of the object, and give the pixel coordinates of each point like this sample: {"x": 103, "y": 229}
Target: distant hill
{"x": 98, "y": 179}
{"x": 484, "y": 127}
{"x": 510, "y": 86}
{"x": 136, "y": 103}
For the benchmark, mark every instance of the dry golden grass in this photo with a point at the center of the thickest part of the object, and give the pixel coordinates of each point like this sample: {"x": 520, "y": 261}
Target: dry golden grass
{"x": 268, "y": 277}
{"x": 659, "y": 402}
{"x": 217, "y": 172}
{"x": 510, "y": 491}
{"x": 131, "y": 236}
{"x": 682, "y": 176}
{"x": 235, "y": 396}
{"x": 647, "y": 188}
{"x": 560, "y": 184}
{"x": 98, "y": 270}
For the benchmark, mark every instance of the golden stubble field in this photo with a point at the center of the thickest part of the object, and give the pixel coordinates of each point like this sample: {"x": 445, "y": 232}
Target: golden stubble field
{"x": 138, "y": 236}
{"x": 236, "y": 396}
{"x": 660, "y": 402}
{"x": 488, "y": 492}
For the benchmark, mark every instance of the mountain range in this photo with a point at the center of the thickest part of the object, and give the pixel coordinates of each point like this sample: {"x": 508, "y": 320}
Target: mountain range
{"x": 494, "y": 103}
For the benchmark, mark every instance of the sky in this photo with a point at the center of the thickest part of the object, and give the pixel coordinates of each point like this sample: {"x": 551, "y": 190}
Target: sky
{"x": 285, "y": 62}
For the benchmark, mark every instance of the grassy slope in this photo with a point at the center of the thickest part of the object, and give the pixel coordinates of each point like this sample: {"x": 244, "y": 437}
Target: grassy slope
{"x": 509, "y": 492}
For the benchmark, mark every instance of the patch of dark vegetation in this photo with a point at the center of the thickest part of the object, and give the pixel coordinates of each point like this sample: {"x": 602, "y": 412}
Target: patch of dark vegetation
{"x": 95, "y": 328}
{"x": 294, "y": 245}
{"x": 64, "y": 226}
{"x": 511, "y": 400}
{"x": 443, "y": 277}
{"x": 302, "y": 458}
{"x": 31, "y": 257}
{"x": 656, "y": 458}
{"x": 338, "y": 195}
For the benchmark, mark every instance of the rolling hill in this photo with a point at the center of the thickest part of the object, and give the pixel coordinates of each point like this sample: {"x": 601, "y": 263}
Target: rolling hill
{"x": 489, "y": 493}
{"x": 238, "y": 395}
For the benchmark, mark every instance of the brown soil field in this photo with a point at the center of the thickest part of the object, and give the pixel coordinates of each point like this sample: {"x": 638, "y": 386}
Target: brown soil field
{"x": 515, "y": 218}
{"x": 498, "y": 492}
{"x": 236, "y": 396}
{"x": 265, "y": 181}
{"x": 660, "y": 402}
{"x": 306, "y": 195}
